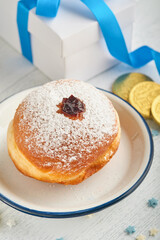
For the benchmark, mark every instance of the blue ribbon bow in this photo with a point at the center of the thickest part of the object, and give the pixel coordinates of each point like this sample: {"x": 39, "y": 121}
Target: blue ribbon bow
{"x": 107, "y": 21}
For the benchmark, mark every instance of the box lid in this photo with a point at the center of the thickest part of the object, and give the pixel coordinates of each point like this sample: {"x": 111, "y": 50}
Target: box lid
{"x": 75, "y": 27}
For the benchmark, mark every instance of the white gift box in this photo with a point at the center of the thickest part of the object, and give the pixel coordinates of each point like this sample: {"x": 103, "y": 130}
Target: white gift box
{"x": 70, "y": 45}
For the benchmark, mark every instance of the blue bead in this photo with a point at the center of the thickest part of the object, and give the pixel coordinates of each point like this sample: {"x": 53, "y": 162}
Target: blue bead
{"x": 155, "y": 133}
{"x": 152, "y": 202}
{"x": 130, "y": 230}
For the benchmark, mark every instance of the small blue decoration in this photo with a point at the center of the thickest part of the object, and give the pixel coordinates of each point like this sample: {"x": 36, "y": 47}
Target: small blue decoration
{"x": 60, "y": 238}
{"x": 130, "y": 230}
{"x": 155, "y": 133}
{"x": 152, "y": 202}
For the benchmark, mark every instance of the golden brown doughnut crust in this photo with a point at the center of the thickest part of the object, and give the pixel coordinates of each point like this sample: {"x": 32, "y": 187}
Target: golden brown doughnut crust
{"x": 50, "y": 147}
{"x": 29, "y": 169}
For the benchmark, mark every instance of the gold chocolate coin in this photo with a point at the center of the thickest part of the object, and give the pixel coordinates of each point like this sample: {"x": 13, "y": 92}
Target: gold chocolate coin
{"x": 142, "y": 96}
{"x": 123, "y": 84}
{"x": 155, "y": 109}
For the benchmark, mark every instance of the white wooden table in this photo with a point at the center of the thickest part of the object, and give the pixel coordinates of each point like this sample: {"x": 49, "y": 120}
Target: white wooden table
{"x": 17, "y": 74}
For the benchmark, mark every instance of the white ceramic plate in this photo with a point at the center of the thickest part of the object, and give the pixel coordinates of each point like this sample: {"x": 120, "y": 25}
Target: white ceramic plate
{"x": 121, "y": 176}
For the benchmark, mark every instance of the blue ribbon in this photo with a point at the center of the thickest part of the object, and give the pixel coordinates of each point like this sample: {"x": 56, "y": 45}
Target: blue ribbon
{"x": 107, "y": 21}
{"x": 47, "y": 8}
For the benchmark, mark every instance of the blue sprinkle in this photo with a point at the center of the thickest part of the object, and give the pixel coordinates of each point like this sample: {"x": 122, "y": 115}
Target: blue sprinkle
{"x": 152, "y": 202}
{"x": 60, "y": 238}
{"x": 155, "y": 133}
{"x": 130, "y": 230}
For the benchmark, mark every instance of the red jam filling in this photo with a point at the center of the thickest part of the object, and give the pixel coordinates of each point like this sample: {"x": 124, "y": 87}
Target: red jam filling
{"x": 72, "y": 107}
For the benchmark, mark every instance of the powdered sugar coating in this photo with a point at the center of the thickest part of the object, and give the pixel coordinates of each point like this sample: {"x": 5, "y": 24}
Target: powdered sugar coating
{"x": 55, "y": 141}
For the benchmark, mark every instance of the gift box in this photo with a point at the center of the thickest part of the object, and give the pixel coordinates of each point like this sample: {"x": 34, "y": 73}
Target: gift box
{"x": 70, "y": 45}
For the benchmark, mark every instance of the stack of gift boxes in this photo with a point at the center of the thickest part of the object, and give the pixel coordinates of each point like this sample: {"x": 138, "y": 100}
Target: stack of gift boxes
{"x": 70, "y": 45}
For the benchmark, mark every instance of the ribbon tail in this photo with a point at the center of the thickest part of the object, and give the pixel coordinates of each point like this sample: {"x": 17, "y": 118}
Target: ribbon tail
{"x": 115, "y": 40}
{"x": 110, "y": 29}
{"x": 156, "y": 56}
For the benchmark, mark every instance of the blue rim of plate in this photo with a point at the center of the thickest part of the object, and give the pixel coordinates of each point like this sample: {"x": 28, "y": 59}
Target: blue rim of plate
{"x": 87, "y": 211}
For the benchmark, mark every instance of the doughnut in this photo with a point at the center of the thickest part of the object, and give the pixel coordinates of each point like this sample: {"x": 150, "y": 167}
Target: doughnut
{"x": 63, "y": 132}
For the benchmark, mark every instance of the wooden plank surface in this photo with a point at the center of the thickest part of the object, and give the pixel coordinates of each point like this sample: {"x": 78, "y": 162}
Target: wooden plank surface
{"x": 17, "y": 74}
